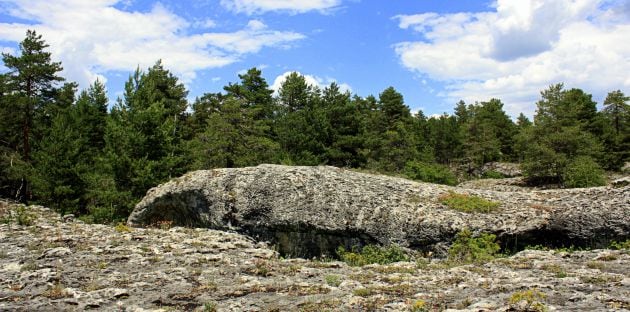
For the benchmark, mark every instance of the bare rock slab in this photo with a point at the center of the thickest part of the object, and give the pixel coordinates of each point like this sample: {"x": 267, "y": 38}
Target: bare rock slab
{"x": 311, "y": 211}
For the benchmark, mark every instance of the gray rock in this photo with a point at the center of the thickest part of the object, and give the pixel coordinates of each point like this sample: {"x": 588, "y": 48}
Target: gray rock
{"x": 56, "y": 252}
{"x": 309, "y": 211}
{"x": 621, "y": 182}
{"x": 509, "y": 170}
{"x": 68, "y": 218}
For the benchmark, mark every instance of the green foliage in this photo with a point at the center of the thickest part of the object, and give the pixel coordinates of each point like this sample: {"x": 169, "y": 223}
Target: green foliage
{"x": 428, "y": 172}
{"x": 419, "y": 306}
{"x": 565, "y": 128}
{"x": 625, "y": 245}
{"x": 122, "y": 228}
{"x": 372, "y": 254}
{"x": 210, "y": 306}
{"x": 528, "y": 300}
{"x": 468, "y": 203}
{"x": 491, "y": 174}
{"x": 488, "y": 133}
{"x": 583, "y": 172}
{"x": 20, "y": 215}
{"x": 469, "y": 249}
{"x": 26, "y": 105}
{"x": 333, "y": 280}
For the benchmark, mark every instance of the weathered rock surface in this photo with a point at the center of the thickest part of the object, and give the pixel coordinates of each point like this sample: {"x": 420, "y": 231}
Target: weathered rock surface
{"x": 312, "y": 210}
{"x": 53, "y": 265}
{"x": 509, "y": 170}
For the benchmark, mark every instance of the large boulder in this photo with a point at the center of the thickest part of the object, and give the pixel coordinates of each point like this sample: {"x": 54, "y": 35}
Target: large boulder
{"x": 309, "y": 211}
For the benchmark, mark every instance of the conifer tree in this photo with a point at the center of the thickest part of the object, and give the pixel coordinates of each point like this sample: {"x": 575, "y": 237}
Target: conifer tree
{"x": 560, "y": 135}
{"x": 144, "y": 136}
{"x": 31, "y": 84}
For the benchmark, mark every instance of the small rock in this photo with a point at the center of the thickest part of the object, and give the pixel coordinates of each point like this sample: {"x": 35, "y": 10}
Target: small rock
{"x": 621, "y": 182}
{"x": 68, "y": 218}
{"x": 56, "y": 252}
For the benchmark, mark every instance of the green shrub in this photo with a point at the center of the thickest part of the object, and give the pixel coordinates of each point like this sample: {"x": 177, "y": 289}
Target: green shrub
{"x": 620, "y": 245}
{"x": 467, "y": 203}
{"x": 469, "y": 249}
{"x": 23, "y": 216}
{"x": 372, "y": 254}
{"x": 122, "y": 228}
{"x": 491, "y": 174}
{"x": 333, "y": 280}
{"x": 583, "y": 172}
{"x": 432, "y": 173}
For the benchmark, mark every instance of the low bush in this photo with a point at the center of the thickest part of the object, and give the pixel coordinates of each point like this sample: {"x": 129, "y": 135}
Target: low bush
{"x": 432, "y": 173}
{"x": 467, "y": 203}
{"x": 470, "y": 249}
{"x": 620, "y": 245}
{"x": 583, "y": 172}
{"x": 372, "y": 254}
{"x": 491, "y": 174}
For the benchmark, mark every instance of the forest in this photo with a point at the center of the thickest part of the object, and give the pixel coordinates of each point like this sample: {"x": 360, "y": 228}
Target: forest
{"x": 77, "y": 153}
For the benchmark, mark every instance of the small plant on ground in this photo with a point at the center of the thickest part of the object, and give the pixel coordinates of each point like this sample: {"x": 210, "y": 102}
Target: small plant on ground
{"x": 419, "y": 306}
{"x": 372, "y": 254}
{"x": 165, "y": 225}
{"x": 262, "y": 268}
{"x": 362, "y": 292}
{"x": 210, "y": 306}
{"x": 528, "y": 300}
{"x": 620, "y": 245}
{"x": 23, "y": 216}
{"x": 469, "y": 249}
{"x": 333, "y": 280}
{"x": 467, "y": 203}
{"x": 122, "y": 228}
{"x": 56, "y": 291}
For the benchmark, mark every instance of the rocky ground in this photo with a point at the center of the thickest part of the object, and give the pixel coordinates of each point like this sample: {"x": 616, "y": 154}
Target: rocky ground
{"x": 52, "y": 264}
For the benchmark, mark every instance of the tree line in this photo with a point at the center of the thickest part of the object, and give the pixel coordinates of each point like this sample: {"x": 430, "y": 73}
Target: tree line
{"x": 67, "y": 150}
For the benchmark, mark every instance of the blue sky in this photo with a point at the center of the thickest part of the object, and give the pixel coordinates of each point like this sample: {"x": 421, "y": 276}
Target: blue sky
{"x": 433, "y": 52}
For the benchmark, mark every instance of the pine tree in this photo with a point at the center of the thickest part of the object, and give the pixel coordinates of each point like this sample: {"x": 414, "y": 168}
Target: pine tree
{"x": 145, "y": 133}
{"x": 233, "y": 138}
{"x": 616, "y": 130}
{"x": 30, "y": 82}
{"x": 560, "y": 135}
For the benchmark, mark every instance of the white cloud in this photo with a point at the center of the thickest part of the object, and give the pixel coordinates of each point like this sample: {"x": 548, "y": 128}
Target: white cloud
{"x": 291, "y": 6}
{"x": 521, "y": 48}
{"x": 312, "y": 80}
{"x": 93, "y": 37}
{"x": 205, "y": 24}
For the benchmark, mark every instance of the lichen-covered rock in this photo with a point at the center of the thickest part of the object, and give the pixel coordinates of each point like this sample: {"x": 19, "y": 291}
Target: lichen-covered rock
{"x": 101, "y": 268}
{"x": 313, "y": 210}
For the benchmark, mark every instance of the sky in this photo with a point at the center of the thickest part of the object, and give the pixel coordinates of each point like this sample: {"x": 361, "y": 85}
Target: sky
{"x": 435, "y": 52}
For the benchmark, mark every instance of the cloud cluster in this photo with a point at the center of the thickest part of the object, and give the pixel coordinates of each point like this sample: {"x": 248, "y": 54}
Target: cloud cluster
{"x": 291, "y": 6}
{"x": 311, "y": 80}
{"x": 94, "y": 37}
{"x": 522, "y": 47}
